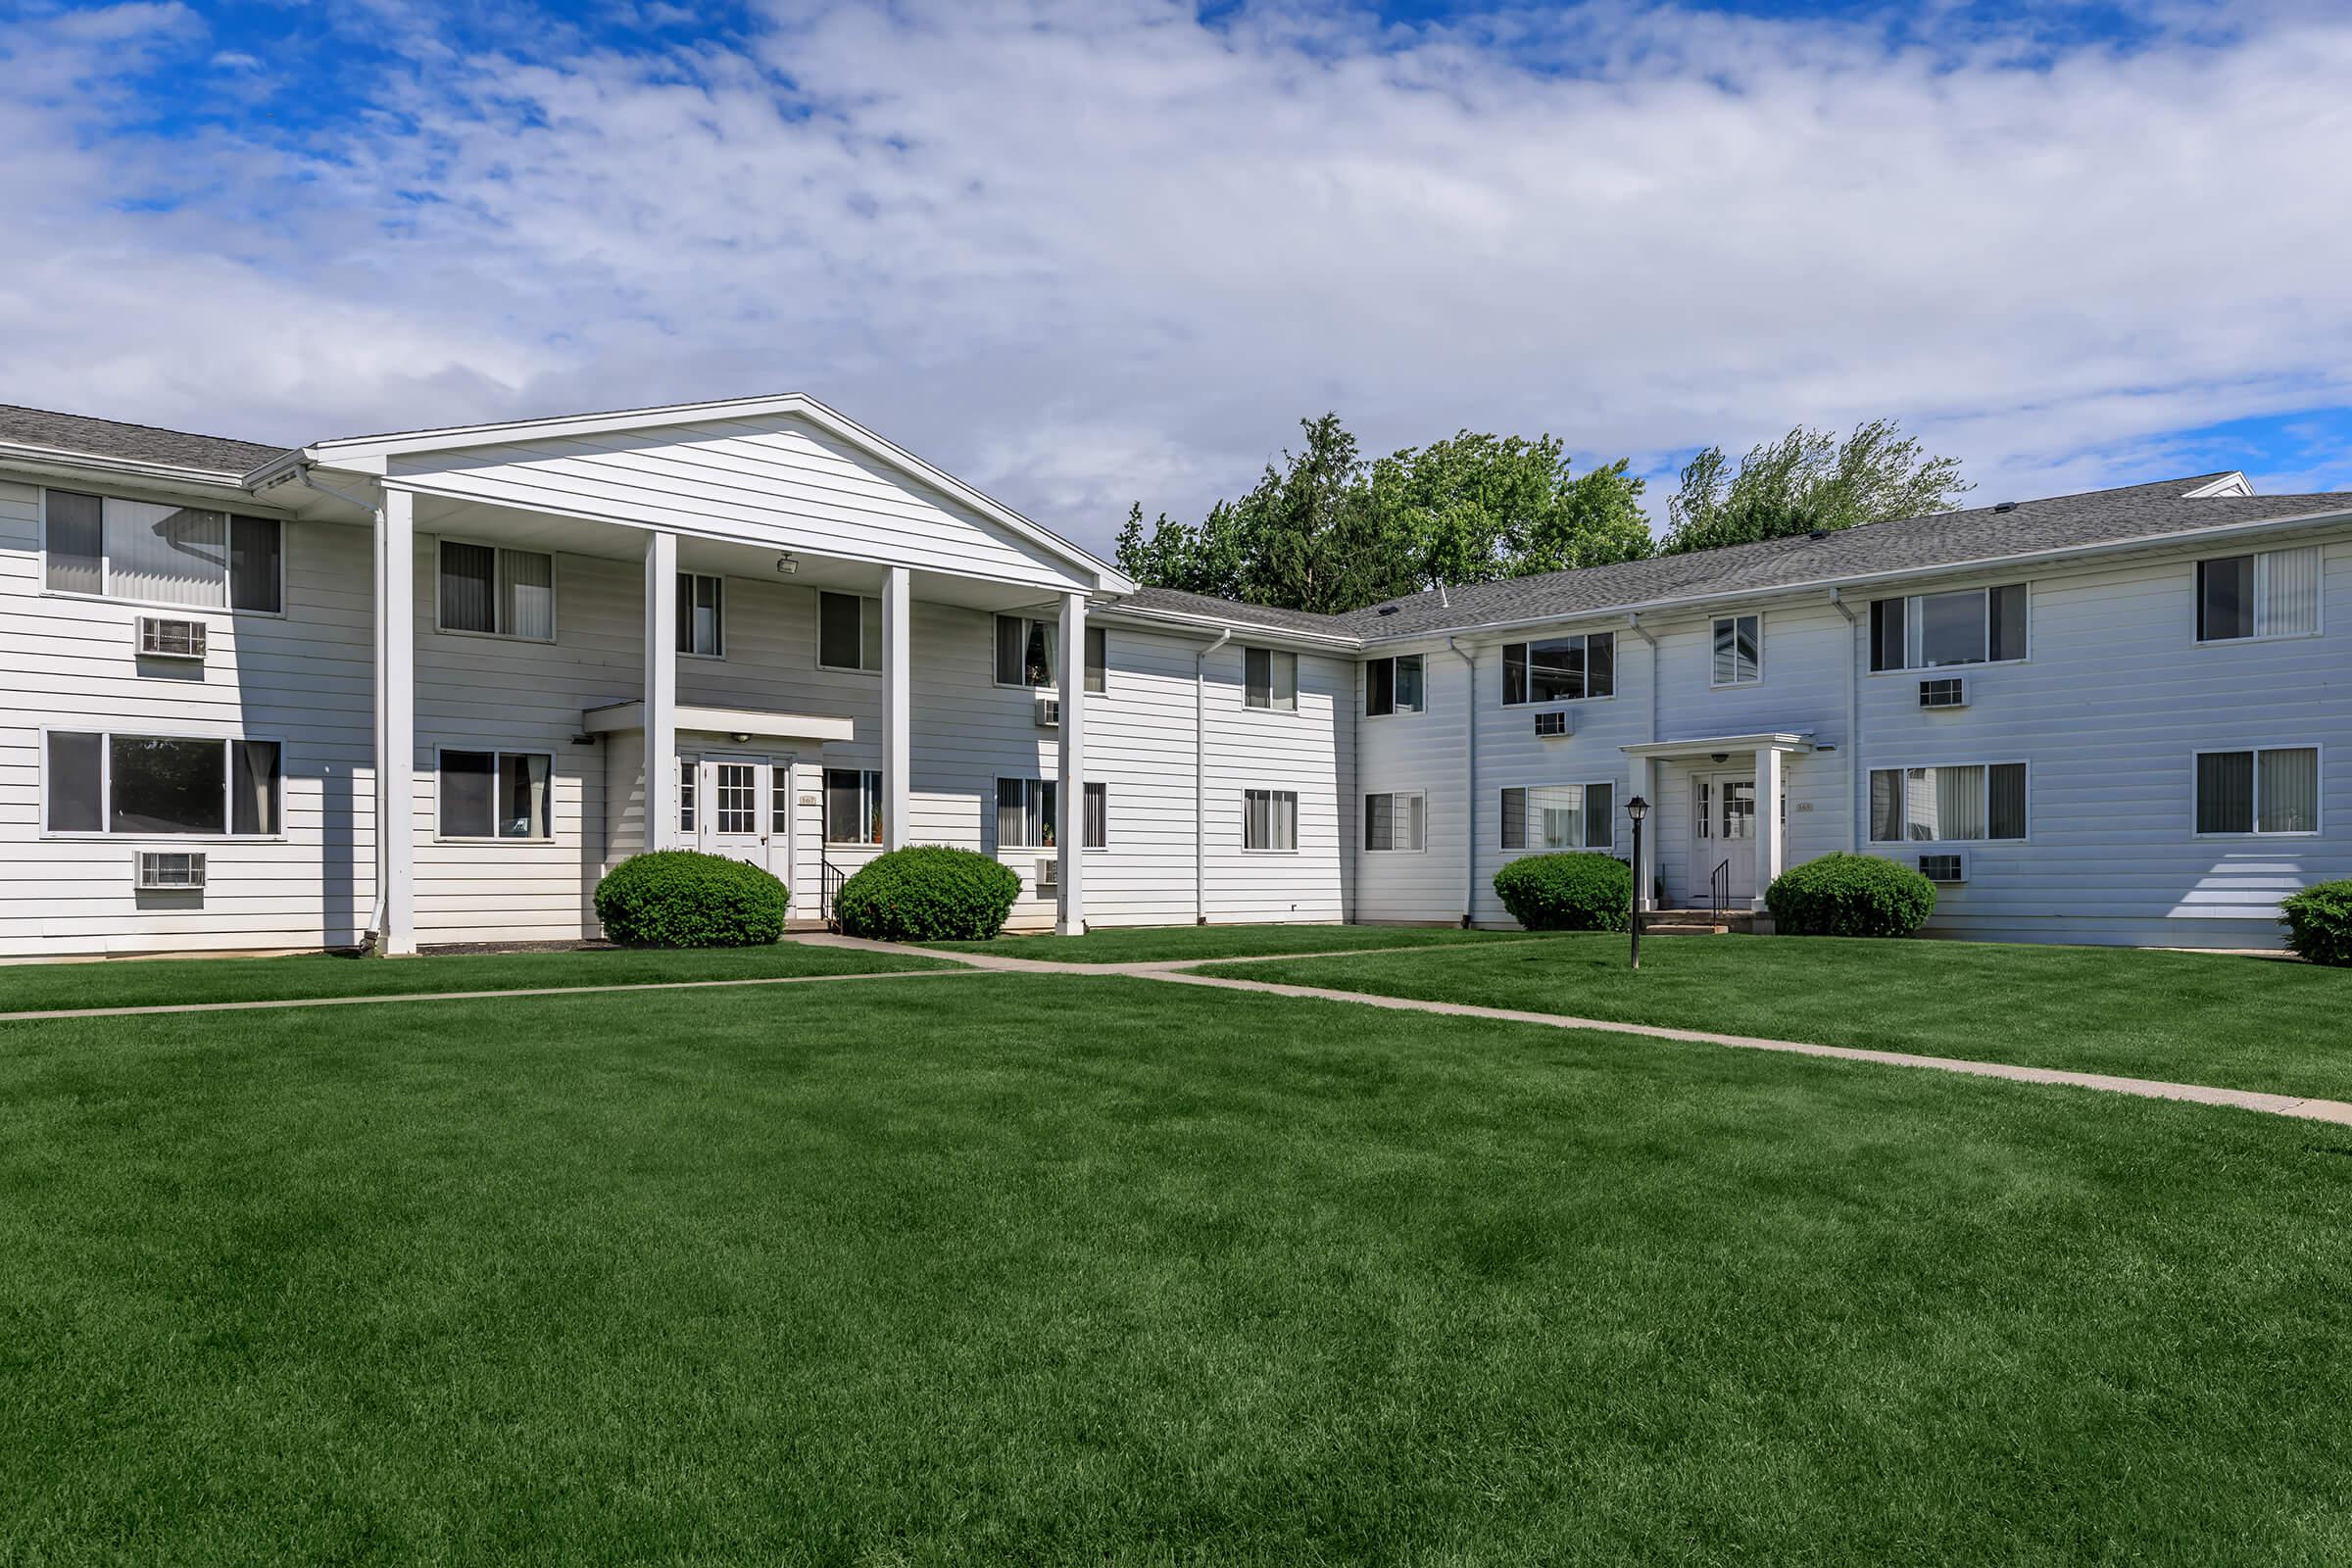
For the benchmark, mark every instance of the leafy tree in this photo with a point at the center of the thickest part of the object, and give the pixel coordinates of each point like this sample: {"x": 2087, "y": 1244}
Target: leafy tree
{"x": 1805, "y": 480}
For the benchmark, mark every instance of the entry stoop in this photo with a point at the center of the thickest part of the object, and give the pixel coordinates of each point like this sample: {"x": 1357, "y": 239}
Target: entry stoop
{"x": 1697, "y": 922}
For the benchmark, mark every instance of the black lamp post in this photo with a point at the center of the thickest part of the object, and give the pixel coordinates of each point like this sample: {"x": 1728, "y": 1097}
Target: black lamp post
{"x": 1637, "y": 808}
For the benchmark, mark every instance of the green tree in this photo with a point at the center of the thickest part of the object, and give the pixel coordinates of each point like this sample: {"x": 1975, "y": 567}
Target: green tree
{"x": 1805, "y": 480}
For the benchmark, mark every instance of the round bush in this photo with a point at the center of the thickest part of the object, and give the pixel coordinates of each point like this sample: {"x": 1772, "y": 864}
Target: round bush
{"x": 1850, "y": 895}
{"x": 928, "y": 893}
{"x": 686, "y": 898}
{"x": 1567, "y": 892}
{"x": 2319, "y": 922}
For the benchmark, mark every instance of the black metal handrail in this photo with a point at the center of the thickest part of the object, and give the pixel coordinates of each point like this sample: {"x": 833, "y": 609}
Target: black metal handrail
{"x": 828, "y": 886}
{"x": 1719, "y": 891}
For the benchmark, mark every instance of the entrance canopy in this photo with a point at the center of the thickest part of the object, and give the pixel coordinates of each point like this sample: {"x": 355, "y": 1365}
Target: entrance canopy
{"x": 749, "y": 723}
{"x": 1709, "y": 746}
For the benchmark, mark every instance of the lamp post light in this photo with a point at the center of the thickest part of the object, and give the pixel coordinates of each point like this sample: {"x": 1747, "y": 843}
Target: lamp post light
{"x": 1637, "y": 808}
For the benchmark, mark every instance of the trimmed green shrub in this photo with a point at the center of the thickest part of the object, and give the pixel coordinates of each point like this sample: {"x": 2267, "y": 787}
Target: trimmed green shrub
{"x": 1568, "y": 892}
{"x": 928, "y": 893}
{"x": 2319, "y": 922}
{"x": 686, "y": 898}
{"x": 1850, "y": 895}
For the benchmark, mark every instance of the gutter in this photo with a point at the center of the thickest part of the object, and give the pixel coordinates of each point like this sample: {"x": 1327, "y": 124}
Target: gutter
{"x": 1854, "y": 805}
{"x": 1200, "y": 775}
{"x": 1469, "y": 783}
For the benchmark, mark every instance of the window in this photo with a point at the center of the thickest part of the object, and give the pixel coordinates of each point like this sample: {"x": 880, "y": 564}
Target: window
{"x": 779, "y": 797}
{"x": 1738, "y": 650}
{"x": 853, "y": 806}
{"x": 689, "y": 776}
{"x": 1270, "y": 820}
{"x": 1028, "y": 650}
{"x": 2272, "y": 594}
{"x": 161, "y": 554}
{"x": 498, "y": 592}
{"x": 1393, "y": 685}
{"x": 1948, "y": 804}
{"x": 148, "y": 784}
{"x": 1395, "y": 821}
{"x": 848, "y": 632}
{"x": 1271, "y": 678}
{"x": 1929, "y": 631}
{"x": 1098, "y": 818}
{"x": 702, "y": 619}
{"x": 504, "y": 795}
{"x": 2270, "y": 791}
{"x": 1560, "y": 817}
{"x": 1560, "y": 669}
{"x": 1026, "y": 818}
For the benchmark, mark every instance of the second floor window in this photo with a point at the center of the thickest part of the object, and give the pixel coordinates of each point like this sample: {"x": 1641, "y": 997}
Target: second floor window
{"x": 1029, "y": 651}
{"x": 1393, "y": 685}
{"x": 848, "y": 632}
{"x": 1931, "y": 631}
{"x": 498, "y": 592}
{"x": 2275, "y": 593}
{"x": 1738, "y": 650}
{"x": 161, "y": 555}
{"x": 1270, "y": 679}
{"x": 702, "y": 619}
{"x": 1560, "y": 669}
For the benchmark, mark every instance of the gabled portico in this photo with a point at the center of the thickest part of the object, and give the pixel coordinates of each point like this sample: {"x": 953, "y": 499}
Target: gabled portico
{"x": 1738, "y": 789}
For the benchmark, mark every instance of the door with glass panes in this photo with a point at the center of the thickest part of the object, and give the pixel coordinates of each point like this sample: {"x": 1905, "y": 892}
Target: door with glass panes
{"x": 1724, "y": 830}
{"x": 739, "y": 807}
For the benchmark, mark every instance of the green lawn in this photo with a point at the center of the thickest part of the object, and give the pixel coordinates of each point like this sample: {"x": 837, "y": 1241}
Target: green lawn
{"x": 154, "y": 982}
{"x": 2239, "y": 1022}
{"x": 1063, "y": 1271}
{"x": 1155, "y": 944}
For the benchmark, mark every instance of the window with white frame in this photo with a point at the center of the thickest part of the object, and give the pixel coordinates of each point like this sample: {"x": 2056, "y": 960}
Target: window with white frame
{"x": 158, "y": 554}
{"x": 1028, "y": 818}
{"x": 1028, "y": 652}
{"x": 1270, "y": 820}
{"x": 1559, "y": 816}
{"x": 689, "y": 775}
{"x": 1560, "y": 669}
{"x": 2273, "y": 593}
{"x": 1739, "y": 653}
{"x": 1948, "y": 804}
{"x": 1393, "y": 685}
{"x": 498, "y": 592}
{"x": 702, "y": 614}
{"x": 1395, "y": 821}
{"x": 100, "y": 782}
{"x": 1933, "y": 632}
{"x": 1270, "y": 679}
{"x": 506, "y": 794}
{"x": 853, "y": 806}
{"x": 848, "y": 632}
{"x": 2273, "y": 789}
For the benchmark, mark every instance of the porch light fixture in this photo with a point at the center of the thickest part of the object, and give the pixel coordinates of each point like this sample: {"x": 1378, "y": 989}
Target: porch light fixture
{"x": 740, "y": 737}
{"x": 1720, "y": 757}
{"x": 1637, "y": 808}
{"x": 786, "y": 566}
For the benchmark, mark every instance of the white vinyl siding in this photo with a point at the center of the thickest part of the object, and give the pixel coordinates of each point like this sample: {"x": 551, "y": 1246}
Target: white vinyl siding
{"x": 2273, "y": 593}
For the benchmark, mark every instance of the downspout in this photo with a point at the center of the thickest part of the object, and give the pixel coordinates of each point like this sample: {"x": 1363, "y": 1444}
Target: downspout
{"x": 1469, "y": 779}
{"x": 383, "y": 880}
{"x": 1632, "y": 622}
{"x": 1853, "y": 727}
{"x": 1200, "y": 775}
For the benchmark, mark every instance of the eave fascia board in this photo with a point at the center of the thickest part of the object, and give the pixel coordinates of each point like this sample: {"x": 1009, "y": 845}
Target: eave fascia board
{"x": 1335, "y": 642}
{"x": 54, "y": 459}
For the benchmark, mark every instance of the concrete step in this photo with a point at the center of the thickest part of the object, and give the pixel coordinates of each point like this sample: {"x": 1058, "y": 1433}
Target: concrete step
{"x": 1695, "y": 922}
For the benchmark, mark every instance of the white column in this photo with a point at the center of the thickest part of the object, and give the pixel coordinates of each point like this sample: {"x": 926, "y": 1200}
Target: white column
{"x": 898, "y": 703}
{"x": 1069, "y": 845}
{"x": 661, "y": 688}
{"x": 396, "y": 725}
{"x": 1642, "y": 780}
{"x": 1768, "y": 820}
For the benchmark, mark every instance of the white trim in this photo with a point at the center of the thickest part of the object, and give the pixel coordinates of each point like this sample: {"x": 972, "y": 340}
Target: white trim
{"x": 1272, "y": 653}
{"x": 685, "y": 626}
{"x": 497, "y": 754}
{"x": 106, "y": 734}
{"x": 863, "y": 601}
{"x": 1870, "y": 641}
{"x": 2196, "y": 601}
{"x": 1502, "y": 816}
{"x": 1586, "y": 637}
{"x": 1709, "y": 745}
{"x": 1364, "y": 799}
{"x": 2233, "y": 483}
{"x": 1874, "y": 766}
{"x": 106, "y": 560}
{"x": 1735, "y": 617}
{"x": 824, "y": 806}
{"x": 1364, "y": 707}
{"x": 1270, "y": 792}
{"x": 554, "y": 595}
{"x": 616, "y": 718}
{"x": 2255, "y": 749}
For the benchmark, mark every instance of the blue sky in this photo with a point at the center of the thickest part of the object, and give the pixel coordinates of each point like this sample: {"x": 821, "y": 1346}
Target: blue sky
{"x": 1090, "y": 253}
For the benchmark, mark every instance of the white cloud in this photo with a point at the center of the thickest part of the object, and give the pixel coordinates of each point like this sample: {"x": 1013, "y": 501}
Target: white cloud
{"x": 1083, "y": 254}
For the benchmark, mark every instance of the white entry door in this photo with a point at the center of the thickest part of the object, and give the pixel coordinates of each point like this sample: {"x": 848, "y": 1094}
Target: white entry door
{"x": 738, "y": 811}
{"x": 1724, "y": 835}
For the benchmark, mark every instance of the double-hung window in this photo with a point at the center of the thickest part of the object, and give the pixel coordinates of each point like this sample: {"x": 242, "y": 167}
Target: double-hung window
{"x": 1738, "y": 650}
{"x": 1393, "y": 685}
{"x": 848, "y": 632}
{"x": 2270, "y": 790}
{"x": 1932, "y": 631}
{"x": 506, "y": 794}
{"x": 498, "y": 592}
{"x": 1968, "y": 804}
{"x": 1560, "y": 669}
{"x": 1029, "y": 648}
{"x": 1270, "y": 679}
{"x": 2275, "y": 593}
{"x": 1397, "y": 821}
{"x": 160, "y": 784}
{"x": 159, "y": 553}
{"x": 701, "y": 615}
{"x": 1559, "y": 816}
{"x": 1270, "y": 820}
{"x": 1028, "y": 818}
{"x": 853, "y": 806}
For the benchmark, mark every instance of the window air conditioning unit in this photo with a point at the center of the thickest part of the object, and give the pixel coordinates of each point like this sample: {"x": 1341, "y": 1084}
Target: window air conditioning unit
{"x": 171, "y": 871}
{"x": 1949, "y": 692}
{"x": 163, "y": 637}
{"x": 1049, "y": 872}
{"x": 1049, "y": 713}
{"x": 1943, "y": 868}
{"x": 1552, "y": 724}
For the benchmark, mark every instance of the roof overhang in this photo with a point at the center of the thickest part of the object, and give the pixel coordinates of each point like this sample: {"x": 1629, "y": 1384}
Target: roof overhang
{"x": 1711, "y": 745}
{"x": 751, "y": 723}
{"x": 1214, "y": 625}
{"x": 70, "y": 466}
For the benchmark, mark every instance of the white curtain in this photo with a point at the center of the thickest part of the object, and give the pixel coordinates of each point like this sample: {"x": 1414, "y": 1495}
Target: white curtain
{"x": 1946, "y": 804}
{"x": 526, "y": 591}
{"x": 170, "y": 555}
{"x": 2287, "y": 788}
{"x": 2286, "y": 592}
{"x": 1416, "y": 822}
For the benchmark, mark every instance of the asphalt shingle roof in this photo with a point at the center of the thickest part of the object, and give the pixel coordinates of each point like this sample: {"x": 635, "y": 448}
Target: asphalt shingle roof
{"x": 1907, "y": 544}
{"x": 138, "y": 443}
